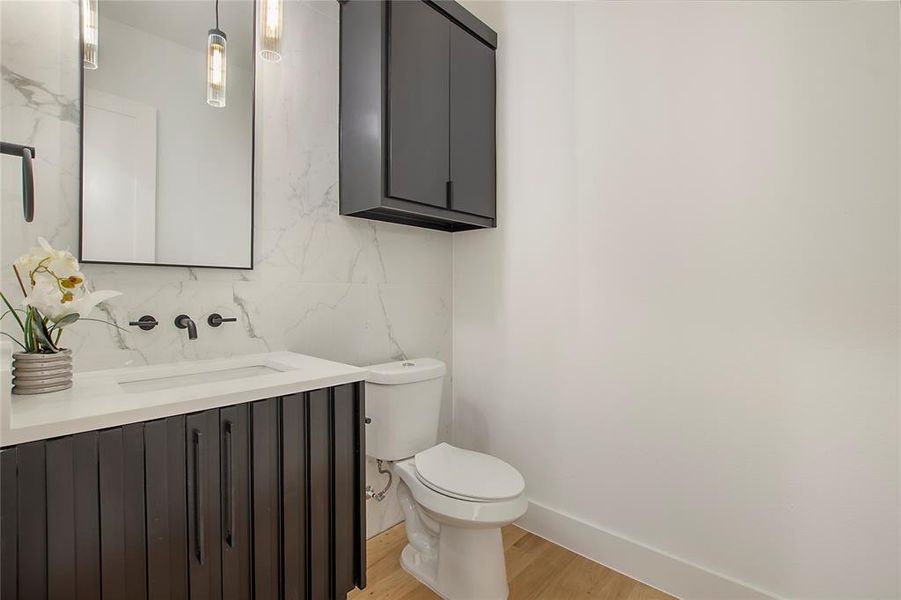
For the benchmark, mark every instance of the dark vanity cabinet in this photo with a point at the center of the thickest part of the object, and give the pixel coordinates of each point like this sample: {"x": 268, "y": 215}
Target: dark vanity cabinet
{"x": 417, "y": 114}
{"x": 259, "y": 500}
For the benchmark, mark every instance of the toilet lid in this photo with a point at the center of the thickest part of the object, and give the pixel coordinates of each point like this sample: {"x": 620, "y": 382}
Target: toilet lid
{"x": 467, "y": 474}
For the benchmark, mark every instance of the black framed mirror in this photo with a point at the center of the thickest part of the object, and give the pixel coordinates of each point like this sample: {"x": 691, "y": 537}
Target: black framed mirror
{"x": 167, "y": 132}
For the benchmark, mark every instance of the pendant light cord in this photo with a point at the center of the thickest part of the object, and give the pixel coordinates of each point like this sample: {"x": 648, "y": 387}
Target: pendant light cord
{"x": 217, "y": 14}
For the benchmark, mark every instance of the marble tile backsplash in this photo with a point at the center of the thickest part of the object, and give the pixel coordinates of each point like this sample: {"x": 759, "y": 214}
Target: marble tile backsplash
{"x": 344, "y": 289}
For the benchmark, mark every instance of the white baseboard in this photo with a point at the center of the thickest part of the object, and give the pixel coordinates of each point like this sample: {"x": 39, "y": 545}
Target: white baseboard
{"x": 648, "y": 565}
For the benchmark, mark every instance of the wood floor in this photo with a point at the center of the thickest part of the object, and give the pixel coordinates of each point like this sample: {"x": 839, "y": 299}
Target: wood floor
{"x": 536, "y": 569}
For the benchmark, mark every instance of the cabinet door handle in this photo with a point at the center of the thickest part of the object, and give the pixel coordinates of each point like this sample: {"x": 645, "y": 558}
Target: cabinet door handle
{"x": 450, "y": 194}
{"x": 199, "y": 512}
{"x": 230, "y": 486}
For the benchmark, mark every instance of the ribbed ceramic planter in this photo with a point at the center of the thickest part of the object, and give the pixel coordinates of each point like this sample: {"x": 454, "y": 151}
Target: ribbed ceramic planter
{"x": 42, "y": 373}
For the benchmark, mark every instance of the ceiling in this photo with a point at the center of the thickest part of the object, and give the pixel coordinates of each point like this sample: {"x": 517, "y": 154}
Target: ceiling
{"x": 186, "y": 22}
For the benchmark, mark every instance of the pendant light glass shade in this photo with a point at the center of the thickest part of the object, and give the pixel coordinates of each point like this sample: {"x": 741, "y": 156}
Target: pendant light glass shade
{"x": 271, "y": 30}
{"x": 89, "y": 33}
{"x": 216, "y": 69}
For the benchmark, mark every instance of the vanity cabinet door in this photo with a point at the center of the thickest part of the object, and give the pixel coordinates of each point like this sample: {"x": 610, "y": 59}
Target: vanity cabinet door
{"x": 294, "y": 494}
{"x": 42, "y": 521}
{"x": 166, "y": 485}
{"x": 320, "y": 481}
{"x": 9, "y": 512}
{"x": 349, "y": 482}
{"x": 61, "y": 552}
{"x": 235, "y": 477}
{"x": 204, "y": 515}
{"x": 85, "y": 463}
{"x": 265, "y": 489}
{"x": 23, "y": 521}
{"x": 122, "y": 512}
{"x": 323, "y": 501}
{"x": 32, "y": 520}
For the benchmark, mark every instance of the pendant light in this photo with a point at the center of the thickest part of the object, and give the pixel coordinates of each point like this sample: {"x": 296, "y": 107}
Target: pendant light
{"x": 216, "y": 65}
{"x": 271, "y": 30}
{"x": 89, "y": 33}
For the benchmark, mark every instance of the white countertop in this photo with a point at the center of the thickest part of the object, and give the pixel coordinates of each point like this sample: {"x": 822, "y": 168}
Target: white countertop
{"x": 96, "y": 400}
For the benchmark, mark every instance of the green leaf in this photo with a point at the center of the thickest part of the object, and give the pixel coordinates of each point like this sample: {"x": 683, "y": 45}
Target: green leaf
{"x": 28, "y": 331}
{"x": 42, "y": 335}
{"x": 12, "y": 310}
{"x": 21, "y": 345}
{"x": 65, "y": 321}
{"x": 107, "y": 322}
{"x": 44, "y": 338}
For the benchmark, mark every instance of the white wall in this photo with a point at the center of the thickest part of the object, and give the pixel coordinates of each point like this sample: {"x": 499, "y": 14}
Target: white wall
{"x": 344, "y": 289}
{"x": 685, "y": 330}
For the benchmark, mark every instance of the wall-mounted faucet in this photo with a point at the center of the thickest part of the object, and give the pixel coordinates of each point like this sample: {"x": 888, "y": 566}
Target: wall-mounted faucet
{"x": 185, "y": 322}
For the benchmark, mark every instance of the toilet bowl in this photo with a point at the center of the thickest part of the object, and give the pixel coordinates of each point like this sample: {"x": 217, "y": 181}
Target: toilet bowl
{"x": 455, "y": 541}
{"x": 455, "y": 501}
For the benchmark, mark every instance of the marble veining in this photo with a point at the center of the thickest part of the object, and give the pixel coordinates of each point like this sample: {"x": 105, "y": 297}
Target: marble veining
{"x": 42, "y": 100}
{"x": 343, "y": 289}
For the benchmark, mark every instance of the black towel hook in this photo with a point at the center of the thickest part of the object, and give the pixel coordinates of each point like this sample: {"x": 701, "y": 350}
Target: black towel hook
{"x": 27, "y": 155}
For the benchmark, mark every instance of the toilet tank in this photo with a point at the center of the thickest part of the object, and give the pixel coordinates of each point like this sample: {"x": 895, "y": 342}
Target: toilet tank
{"x": 403, "y": 402}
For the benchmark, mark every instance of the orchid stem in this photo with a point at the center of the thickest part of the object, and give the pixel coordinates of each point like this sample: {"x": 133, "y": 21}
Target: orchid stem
{"x": 20, "y": 344}
{"x": 19, "y": 279}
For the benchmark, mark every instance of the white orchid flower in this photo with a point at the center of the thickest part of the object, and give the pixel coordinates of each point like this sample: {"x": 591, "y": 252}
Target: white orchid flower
{"x": 55, "y": 297}
{"x": 46, "y": 259}
{"x": 51, "y": 302}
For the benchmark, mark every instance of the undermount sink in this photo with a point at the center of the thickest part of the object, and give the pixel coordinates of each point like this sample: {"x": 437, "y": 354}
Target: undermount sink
{"x": 155, "y": 384}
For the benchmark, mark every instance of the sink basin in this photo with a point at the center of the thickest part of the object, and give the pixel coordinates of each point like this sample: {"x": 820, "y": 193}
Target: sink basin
{"x": 156, "y": 384}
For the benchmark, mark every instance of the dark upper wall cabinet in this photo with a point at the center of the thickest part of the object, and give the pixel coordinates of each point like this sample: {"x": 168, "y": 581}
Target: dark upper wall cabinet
{"x": 417, "y": 114}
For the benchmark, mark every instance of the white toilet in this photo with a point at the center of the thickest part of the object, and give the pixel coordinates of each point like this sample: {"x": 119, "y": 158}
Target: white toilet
{"x": 455, "y": 501}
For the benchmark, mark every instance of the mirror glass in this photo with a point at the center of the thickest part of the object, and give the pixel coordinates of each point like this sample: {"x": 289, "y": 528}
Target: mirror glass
{"x": 167, "y": 173}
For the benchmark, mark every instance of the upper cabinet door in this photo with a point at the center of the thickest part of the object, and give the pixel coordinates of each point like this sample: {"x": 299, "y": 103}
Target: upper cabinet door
{"x": 418, "y": 111}
{"x": 472, "y": 118}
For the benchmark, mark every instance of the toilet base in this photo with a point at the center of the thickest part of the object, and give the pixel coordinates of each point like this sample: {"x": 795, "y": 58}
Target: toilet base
{"x": 455, "y": 546}
{"x": 469, "y": 565}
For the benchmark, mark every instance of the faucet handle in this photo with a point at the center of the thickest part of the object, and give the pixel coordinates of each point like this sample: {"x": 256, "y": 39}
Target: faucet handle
{"x": 215, "y": 320}
{"x": 146, "y": 323}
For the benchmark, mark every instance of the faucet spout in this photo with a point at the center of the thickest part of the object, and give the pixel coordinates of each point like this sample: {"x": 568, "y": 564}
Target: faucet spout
{"x": 185, "y": 322}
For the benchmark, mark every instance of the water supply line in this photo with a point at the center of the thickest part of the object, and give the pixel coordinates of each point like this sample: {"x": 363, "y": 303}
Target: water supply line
{"x": 379, "y": 496}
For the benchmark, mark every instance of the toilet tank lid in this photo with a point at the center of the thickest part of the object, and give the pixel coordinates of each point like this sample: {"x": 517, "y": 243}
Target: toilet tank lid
{"x": 406, "y": 371}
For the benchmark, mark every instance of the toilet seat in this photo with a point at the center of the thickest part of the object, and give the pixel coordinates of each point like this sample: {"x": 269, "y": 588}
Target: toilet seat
{"x": 461, "y": 512}
{"x": 467, "y": 475}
